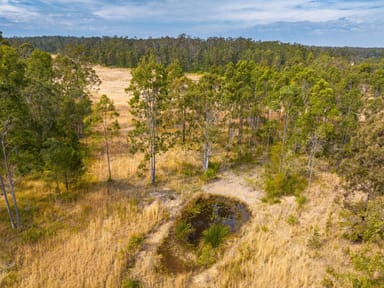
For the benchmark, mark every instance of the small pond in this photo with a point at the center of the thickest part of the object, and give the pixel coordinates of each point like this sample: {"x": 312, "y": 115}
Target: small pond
{"x": 186, "y": 243}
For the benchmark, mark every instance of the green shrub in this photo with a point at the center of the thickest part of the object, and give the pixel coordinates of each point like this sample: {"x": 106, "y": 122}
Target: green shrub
{"x": 189, "y": 170}
{"x": 207, "y": 256}
{"x": 215, "y": 234}
{"x": 301, "y": 200}
{"x": 327, "y": 282}
{"x": 211, "y": 173}
{"x": 135, "y": 242}
{"x": 292, "y": 220}
{"x": 368, "y": 264}
{"x": 315, "y": 241}
{"x": 32, "y": 235}
{"x": 364, "y": 221}
{"x": 245, "y": 158}
{"x": 283, "y": 184}
{"x": 182, "y": 230}
{"x": 130, "y": 283}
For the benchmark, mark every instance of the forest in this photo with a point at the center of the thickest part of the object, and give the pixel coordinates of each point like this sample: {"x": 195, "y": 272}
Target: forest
{"x": 295, "y": 112}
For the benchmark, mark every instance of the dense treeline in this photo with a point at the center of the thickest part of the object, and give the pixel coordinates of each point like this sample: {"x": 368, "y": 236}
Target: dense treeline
{"x": 194, "y": 54}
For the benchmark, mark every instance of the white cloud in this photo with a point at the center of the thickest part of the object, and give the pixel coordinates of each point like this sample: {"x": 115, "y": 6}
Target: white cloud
{"x": 194, "y": 17}
{"x": 13, "y": 12}
{"x": 240, "y": 13}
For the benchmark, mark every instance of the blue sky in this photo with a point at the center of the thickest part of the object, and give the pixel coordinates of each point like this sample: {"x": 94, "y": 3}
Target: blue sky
{"x": 312, "y": 22}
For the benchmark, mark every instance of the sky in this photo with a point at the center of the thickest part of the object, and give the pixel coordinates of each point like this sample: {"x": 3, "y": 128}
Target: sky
{"x": 358, "y": 23}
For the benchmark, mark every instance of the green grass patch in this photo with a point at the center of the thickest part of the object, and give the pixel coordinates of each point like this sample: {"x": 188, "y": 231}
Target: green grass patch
{"x": 215, "y": 234}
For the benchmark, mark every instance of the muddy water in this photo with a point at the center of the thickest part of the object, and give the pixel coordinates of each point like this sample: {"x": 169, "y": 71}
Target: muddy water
{"x": 180, "y": 256}
{"x": 207, "y": 211}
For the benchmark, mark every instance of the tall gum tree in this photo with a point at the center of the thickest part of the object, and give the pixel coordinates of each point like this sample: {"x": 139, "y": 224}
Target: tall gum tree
{"x": 149, "y": 89}
{"x": 105, "y": 113}
{"x": 318, "y": 121}
{"x": 207, "y": 106}
{"x": 13, "y": 117}
{"x": 179, "y": 115}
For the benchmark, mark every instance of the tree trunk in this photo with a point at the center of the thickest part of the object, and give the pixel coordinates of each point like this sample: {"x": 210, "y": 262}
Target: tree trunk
{"x": 10, "y": 179}
{"x": 241, "y": 124}
{"x": 105, "y": 126}
{"x": 108, "y": 161}
{"x": 66, "y": 182}
{"x": 207, "y": 145}
{"x": 255, "y": 126}
{"x": 229, "y": 136}
{"x": 268, "y": 136}
{"x": 57, "y": 183}
{"x": 283, "y": 142}
{"x": 311, "y": 160}
{"x": 153, "y": 141}
{"x": 13, "y": 224}
{"x": 206, "y": 154}
{"x": 183, "y": 132}
{"x": 153, "y": 165}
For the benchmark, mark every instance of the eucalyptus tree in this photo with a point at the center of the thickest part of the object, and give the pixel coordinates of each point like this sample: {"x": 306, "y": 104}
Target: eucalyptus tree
{"x": 106, "y": 114}
{"x": 287, "y": 97}
{"x": 13, "y": 117}
{"x": 239, "y": 95}
{"x": 349, "y": 102}
{"x": 148, "y": 103}
{"x": 317, "y": 122}
{"x": 363, "y": 163}
{"x": 179, "y": 113}
{"x": 74, "y": 79}
{"x": 64, "y": 160}
{"x": 207, "y": 105}
{"x": 41, "y": 96}
{"x": 266, "y": 79}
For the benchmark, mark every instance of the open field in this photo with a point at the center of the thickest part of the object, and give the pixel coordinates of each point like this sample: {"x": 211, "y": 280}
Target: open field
{"x": 113, "y": 84}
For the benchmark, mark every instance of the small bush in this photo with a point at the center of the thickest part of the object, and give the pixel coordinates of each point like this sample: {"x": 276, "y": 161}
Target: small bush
{"x": 211, "y": 173}
{"x": 135, "y": 242}
{"x": 364, "y": 221}
{"x": 301, "y": 200}
{"x": 292, "y": 220}
{"x": 215, "y": 234}
{"x": 368, "y": 264}
{"x": 327, "y": 282}
{"x": 264, "y": 228}
{"x": 32, "y": 235}
{"x": 283, "y": 184}
{"x": 130, "y": 283}
{"x": 182, "y": 230}
{"x": 207, "y": 256}
{"x": 189, "y": 170}
{"x": 314, "y": 241}
{"x": 245, "y": 158}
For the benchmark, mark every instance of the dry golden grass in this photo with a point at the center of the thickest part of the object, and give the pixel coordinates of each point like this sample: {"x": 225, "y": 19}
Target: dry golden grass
{"x": 95, "y": 256}
{"x": 114, "y": 81}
